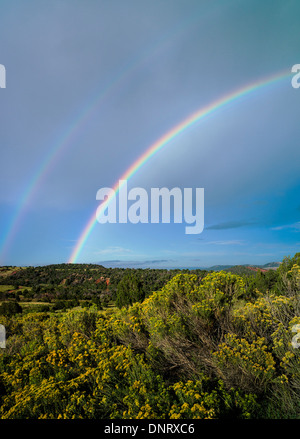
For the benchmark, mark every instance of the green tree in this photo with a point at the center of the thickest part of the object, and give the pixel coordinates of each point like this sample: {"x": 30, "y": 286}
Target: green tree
{"x": 8, "y": 309}
{"x": 129, "y": 291}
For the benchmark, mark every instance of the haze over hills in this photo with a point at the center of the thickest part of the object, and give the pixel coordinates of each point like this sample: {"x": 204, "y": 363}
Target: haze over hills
{"x": 268, "y": 266}
{"x": 154, "y": 264}
{"x": 159, "y": 264}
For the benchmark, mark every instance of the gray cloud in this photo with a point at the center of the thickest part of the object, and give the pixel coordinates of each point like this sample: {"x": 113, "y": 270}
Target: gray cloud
{"x": 295, "y": 226}
{"x": 227, "y": 242}
{"x": 230, "y": 225}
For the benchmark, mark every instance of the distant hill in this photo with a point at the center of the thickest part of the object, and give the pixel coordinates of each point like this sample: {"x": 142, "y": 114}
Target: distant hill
{"x": 273, "y": 265}
{"x": 219, "y": 267}
{"x": 246, "y": 268}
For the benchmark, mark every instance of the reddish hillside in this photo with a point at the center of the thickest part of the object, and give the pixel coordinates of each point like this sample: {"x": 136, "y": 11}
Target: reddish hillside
{"x": 257, "y": 269}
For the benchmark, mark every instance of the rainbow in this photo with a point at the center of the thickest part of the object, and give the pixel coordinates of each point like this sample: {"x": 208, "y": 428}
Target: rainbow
{"x": 59, "y": 147}
{"x": 166, "y": 139}
{"x": 65, "y": 140}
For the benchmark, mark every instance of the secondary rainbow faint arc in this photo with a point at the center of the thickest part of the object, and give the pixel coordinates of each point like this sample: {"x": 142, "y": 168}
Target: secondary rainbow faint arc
{"x": 164, "y": 140}
{"x": 65, "y": 140}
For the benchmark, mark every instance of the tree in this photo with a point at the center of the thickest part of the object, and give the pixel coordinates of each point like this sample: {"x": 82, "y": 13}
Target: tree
{"x": 8, "y": 309}
{"x": 58, "y": 305}
{"x": 129, "y": 290}
{"x": 97, "y": 301}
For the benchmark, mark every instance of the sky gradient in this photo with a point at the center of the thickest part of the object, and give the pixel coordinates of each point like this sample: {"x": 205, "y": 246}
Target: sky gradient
{"x": 92, "y": 85}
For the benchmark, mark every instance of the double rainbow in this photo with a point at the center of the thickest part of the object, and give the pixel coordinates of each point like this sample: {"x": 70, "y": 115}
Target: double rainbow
{"x": 165, "y": 140}
{"x": 77, "y": 123}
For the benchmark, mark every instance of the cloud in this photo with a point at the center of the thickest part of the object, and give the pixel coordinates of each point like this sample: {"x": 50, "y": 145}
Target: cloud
{"x": 229, "y": 242}
{"x": 113, "y": 249}
{"x": 230, "y": 225}
{"x": 294, "y": 226}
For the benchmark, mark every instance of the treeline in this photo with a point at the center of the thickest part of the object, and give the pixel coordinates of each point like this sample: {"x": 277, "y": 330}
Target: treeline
{"x": 198, "y": 348}
{"x": 66, "y": 286}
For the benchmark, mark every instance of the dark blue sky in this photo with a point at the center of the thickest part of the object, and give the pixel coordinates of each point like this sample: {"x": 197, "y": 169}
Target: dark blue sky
{"x": 134, "y": 69}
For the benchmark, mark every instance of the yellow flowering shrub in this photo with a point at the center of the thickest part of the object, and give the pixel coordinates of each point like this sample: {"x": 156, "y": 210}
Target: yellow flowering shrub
{"x": 193, "y": 403}
{"x": 246, "y": 365}
{"x": 196, "y": 349}
{"x": 200, "y": 400}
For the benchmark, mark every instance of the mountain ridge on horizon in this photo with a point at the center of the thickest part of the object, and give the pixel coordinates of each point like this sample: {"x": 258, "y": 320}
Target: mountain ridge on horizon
{"x": 218, "y": 267}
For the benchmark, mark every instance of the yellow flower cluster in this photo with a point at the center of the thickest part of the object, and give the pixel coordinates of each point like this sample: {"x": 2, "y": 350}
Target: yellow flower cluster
{"x": 241, "y": 358}
{"x": 58, "y": 358}
{"x": 193, "y": 402}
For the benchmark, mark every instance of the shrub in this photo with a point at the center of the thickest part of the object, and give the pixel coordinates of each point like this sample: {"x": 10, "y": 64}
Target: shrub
{"x": 10, "y": 308}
